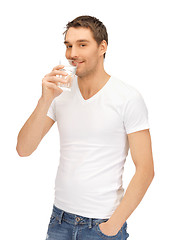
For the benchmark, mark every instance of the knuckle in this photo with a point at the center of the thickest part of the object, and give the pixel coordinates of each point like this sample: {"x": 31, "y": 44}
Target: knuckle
{"x": 58, "y": 72}
{"x": 44, "y": 79}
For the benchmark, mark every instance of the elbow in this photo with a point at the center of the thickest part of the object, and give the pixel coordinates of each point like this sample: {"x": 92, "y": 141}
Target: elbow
{"x": 146, "y": 173}
{"x": 21, "y": 153}
{"x": 152, "y": 172}
{"x": 151, "y": 175}
{"x": 149, "y": 178}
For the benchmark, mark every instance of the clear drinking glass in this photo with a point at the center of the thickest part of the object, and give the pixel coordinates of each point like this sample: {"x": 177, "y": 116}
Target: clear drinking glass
{"x": 70, "y": 67}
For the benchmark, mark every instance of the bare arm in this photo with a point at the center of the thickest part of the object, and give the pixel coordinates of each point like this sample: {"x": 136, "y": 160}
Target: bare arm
{"x": 38, "y": 124}
{"x": 141, "y": 152}
{"x": 34, "y": 129}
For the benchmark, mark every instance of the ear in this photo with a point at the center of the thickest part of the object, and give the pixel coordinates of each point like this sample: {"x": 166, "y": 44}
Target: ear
{"x": 102, "y": 47}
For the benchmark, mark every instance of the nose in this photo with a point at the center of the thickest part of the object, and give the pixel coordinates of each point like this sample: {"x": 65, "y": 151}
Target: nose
{"x": 73, "y": 52}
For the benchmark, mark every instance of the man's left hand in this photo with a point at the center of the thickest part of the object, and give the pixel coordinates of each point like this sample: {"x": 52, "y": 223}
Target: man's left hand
{"x": 108, "y": 229}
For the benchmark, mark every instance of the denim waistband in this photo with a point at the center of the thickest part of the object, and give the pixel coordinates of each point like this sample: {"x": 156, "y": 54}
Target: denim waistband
{"x": 75, "y": 219}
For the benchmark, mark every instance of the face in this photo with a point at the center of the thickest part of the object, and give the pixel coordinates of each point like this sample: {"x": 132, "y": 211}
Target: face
{"x": 83, "y": 49}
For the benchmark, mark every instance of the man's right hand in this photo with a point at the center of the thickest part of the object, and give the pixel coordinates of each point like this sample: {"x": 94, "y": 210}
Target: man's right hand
{"x": 50, "y": 88}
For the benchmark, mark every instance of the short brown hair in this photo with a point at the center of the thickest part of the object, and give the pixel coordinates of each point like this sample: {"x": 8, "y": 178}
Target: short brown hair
{"x": 95, "y": 25}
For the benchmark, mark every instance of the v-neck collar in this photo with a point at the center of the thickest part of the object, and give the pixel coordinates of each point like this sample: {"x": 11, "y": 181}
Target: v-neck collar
{"x": 95, "y": 95}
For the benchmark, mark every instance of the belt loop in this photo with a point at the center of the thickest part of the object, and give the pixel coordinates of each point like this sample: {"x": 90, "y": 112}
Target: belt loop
{"x": 61, "y": 216}
{"x": 90, "y": 223}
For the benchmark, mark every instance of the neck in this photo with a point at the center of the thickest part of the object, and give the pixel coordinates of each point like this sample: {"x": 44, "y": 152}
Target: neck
{"x": 91, "y": 83}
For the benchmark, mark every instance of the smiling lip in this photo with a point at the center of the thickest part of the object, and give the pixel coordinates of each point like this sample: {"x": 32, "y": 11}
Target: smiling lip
{"x": 78, "y": 63}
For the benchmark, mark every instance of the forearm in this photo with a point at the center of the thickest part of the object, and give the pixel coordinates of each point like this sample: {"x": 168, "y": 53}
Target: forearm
{"x": 133, "y": 196}
{"x": 30, "y": 134}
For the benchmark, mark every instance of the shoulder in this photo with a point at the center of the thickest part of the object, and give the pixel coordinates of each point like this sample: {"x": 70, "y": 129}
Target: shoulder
{"x": 123, "y": 90}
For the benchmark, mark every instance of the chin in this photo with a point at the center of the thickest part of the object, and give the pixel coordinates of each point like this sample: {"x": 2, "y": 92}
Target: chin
{"x": 79, "y": 74}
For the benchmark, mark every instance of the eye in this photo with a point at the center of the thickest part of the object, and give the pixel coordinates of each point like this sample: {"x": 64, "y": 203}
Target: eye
{"x": 68, "y": 46}
{"x": 82, "y": 45}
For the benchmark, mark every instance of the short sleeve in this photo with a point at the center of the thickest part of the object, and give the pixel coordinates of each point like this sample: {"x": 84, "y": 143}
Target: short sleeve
{"x": 135, "y": 114}
{"x": 51, "y": 111}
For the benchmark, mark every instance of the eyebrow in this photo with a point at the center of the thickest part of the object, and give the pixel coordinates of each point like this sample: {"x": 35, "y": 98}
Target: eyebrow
{"x": 81, "y": 40}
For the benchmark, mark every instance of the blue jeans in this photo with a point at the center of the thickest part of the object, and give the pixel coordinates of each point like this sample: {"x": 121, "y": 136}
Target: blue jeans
{"x": 68, "y": 226}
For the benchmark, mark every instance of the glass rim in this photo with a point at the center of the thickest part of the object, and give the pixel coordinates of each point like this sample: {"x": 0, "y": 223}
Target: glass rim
{"x": 66, "y": 61}
{"x": 71, "y": 62}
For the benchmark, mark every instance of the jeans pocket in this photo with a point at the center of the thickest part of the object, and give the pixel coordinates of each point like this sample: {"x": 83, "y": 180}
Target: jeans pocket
{"x": 117, "y": 236}
{"x": 53, "y": 219}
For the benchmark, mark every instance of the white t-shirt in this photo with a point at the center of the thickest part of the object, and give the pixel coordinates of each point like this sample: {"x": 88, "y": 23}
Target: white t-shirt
{"x": 94, "y": 146}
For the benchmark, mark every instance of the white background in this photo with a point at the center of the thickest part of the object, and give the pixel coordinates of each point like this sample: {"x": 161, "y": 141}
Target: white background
{"x": 143, "y": 51}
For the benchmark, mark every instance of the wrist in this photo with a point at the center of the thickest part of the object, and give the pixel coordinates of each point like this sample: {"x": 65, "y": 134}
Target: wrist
{"x": 114, "y": 224}
{"x": 44, "y": 101}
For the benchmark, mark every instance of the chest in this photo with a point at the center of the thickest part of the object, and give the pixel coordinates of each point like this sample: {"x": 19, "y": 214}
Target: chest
{"x": 95, "y": 122}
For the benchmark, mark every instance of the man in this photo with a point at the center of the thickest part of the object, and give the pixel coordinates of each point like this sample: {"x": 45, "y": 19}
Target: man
{"x": 98, "y": 121}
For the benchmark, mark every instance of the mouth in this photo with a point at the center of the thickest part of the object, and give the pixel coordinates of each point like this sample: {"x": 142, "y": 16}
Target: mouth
{"x": 77, "y": 63}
